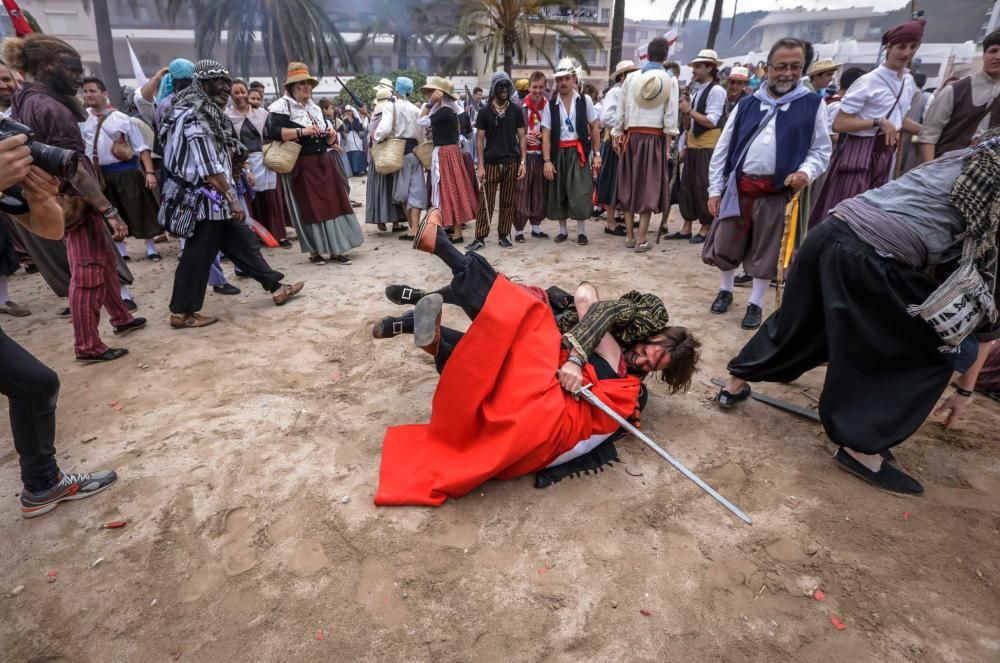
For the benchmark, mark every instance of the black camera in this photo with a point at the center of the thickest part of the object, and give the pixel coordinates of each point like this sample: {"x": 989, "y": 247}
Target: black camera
{"x": 53, "y": 160}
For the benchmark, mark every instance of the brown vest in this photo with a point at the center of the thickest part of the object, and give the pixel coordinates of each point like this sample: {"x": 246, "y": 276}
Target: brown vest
{"x": 965, "y": 117}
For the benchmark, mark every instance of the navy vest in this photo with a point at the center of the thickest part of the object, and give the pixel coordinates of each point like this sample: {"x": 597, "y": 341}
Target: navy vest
{"x": 793, "y": 134}
{"x": 581, "y": 125}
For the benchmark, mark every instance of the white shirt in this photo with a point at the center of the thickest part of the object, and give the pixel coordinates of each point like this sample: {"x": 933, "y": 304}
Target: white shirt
{"x": 5, "y": 114}
{"x": 715, "y": 105}
{"x": 568, "y": 131}
{"x": 609, "y": 106}
{"x": 115, "y": 126}
{"x": 401, "y": 118}
{"x": 832, "y": 109}
{"x": 631, "y": 114}
{"x": 761, "y": 155}
{"x": 874, "y": 94}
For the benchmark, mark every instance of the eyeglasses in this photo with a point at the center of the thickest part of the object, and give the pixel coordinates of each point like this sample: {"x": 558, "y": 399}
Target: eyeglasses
{"x": 782, "y": 68}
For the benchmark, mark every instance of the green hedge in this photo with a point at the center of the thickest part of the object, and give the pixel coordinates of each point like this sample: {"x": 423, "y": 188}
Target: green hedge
{"x": 362, "y": 86}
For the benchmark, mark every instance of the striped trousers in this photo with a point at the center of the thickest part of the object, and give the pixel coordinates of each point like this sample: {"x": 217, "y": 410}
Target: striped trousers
{"x": 504, "y": 177}
{"x": 93, "y": 284}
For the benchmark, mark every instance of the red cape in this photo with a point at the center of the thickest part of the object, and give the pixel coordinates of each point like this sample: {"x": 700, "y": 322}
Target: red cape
{"x": 498, "y": 411}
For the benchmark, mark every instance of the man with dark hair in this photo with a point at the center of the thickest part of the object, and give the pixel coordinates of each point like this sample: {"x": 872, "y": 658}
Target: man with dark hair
{"x": 507, "y": 363}
{"x": 501, "y": 149}
{"x": 130, "y": 183}
{"x": 751, "y": 179}
{"x": 47, "y": 103}
{"x": 200, "y": 202}
{"x": 965, "y": 110}
{"x": 704, "y": 110}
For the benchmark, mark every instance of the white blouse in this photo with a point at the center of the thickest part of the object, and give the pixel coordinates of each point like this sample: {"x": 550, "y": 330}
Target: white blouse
{"x": 874, "y": 95}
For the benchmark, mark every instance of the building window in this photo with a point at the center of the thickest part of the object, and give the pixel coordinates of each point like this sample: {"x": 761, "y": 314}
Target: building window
{"x": 642, "y": 35}
{"x": 849, "y": 27}
{"x": 64, "y": 22}
{"x": 605, "y": 15}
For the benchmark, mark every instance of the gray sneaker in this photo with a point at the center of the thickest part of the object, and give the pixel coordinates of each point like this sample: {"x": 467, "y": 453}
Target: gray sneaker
{"x": 70, "y": 487}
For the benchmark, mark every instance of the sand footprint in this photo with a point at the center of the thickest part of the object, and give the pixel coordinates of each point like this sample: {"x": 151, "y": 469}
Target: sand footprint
{"x": 238, "y": 554}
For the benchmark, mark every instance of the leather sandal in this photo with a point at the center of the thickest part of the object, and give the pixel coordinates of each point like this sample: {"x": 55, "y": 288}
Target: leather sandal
{"x": 182, "y": 321}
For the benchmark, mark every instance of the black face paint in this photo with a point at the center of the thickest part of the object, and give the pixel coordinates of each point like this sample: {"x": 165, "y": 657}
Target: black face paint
{"x": 65, "y": 76}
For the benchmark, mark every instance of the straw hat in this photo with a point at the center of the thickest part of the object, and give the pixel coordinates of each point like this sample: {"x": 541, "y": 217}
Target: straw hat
{"x": 382, "y": 93}
{"x": 624, "y": 67}
{"x": 383, "y": 83}
{"x": 652, "y": 89}
{"x": 707, "y": 55}
{"x": 522, "y": 85}
{"x": 441, "y": 84}
{"x": 739, "y": 74}
{"x": 298, "y": 72}
{"x": 822, "y": 66}
{"x": 566, "y": 67}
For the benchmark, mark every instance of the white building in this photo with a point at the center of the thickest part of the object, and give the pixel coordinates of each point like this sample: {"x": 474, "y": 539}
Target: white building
{"x": 816, "y": 26}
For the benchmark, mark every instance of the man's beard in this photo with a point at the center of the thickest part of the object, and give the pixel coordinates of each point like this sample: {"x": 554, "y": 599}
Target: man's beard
{"x": 781, "y": 89}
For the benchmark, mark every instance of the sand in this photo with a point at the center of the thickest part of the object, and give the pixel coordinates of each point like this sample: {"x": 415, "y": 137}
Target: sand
{"x": 249, "y": 454}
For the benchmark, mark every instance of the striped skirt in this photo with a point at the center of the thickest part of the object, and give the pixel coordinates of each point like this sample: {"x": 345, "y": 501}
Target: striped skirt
{"x": 859, "y": 163}
{"x": 531, "y": 193}
{"x": 455, "y": 189}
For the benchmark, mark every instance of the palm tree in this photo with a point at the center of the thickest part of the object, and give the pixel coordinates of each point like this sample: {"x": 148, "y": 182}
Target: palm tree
{"x": 617, "y": 35}
{"x": 502, "y": 28}
{"x": 291, "y": 30}
{"x": 687, "y": 6}
{"x": 406, "y": 21}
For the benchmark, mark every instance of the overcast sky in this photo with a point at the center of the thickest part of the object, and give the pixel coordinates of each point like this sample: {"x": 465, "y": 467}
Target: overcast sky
{"x": 660, "y": 9}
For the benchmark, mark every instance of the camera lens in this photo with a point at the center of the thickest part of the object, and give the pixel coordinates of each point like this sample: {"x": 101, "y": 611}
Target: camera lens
{"x": 55, "y": 160}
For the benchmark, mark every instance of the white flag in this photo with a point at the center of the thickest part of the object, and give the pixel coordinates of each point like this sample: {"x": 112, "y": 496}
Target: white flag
{"x": 136, "y": 67}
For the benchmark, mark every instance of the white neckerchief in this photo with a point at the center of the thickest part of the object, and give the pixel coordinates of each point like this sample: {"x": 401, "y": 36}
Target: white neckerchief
{"x": 305, "y": 114}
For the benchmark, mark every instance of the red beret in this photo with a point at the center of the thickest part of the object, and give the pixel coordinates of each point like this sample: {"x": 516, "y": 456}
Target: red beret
{"x": 903, "y": 34}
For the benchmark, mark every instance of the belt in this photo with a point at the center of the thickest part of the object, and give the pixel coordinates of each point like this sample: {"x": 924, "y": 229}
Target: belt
{"x": 121, "y": 166}
{"x": 652, "y": 131}
{"x": 579, "y": 149}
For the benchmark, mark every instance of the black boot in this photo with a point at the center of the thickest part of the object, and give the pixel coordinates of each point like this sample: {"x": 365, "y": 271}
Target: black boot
{"x": 389, "y": 326}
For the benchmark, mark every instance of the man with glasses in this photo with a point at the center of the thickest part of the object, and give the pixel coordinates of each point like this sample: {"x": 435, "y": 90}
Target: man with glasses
{"x": 751, "y": 180}
{"x": 570, "y": 131}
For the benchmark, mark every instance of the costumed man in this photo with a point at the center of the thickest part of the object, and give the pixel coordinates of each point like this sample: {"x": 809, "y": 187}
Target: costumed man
{"x": 410, "y": 186}
{"x": 47, "y": 103}
{"x": 531, "y": 189}
{"x": 704, "y": 110}
{"x": 963, "y": 111}
{"x": 736, "y": 91}
{"x": 501, "y": 148}
{"x": 895, "y": 291}
{"x": 521, "y": 87}
{"x": 513, "y": 359}
{"x": 821, "y": 74}
{"x": 130, "y": 183}
{"x": 570, "y": 132}
{"x": 607, "y": 179}
{"x": 872, "y": 116}
{"x": 646, "y": 124}
{"x": 751, "y": 180}
{"x": 200, "y": 202}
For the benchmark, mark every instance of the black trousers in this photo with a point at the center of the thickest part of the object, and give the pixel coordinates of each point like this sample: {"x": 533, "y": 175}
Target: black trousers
{"x": 846, "y": 305}
{"x": 32, "y": 389}
{"x": 239, "y": 244}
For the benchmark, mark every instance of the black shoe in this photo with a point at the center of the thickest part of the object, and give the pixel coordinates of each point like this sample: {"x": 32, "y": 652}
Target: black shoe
{"x": 743, "y": 279}
{"x": 403, "y": 295}
{"x": 475, "y": 245}
{"x": 455, "y": 240}
{"x": 108, "y": 355}
{"x": 888, "y": 456}
{"x": 539, "y": 234}
{"x": 597, "y": 213}
{"x": 154, "y": 257}
{"x": 519, "y": 238}
{"x": 284, "y": 243}
{"x": 70, "y": 487}
{"x": 389, "y": 326}
{"x": 31, "y": 269}
{"x": 355, "y": 204}
{"x": 240, "y": 275}
{"x": 504, "y": 243}
{"x": 127, "y": 258}
{"x": 130, "y": 304}
{"x": 722, "y": 302}
{"x": 617, "y": 232}
{"x": 582, "y": 240}
{"x": 727, "y": 400}
{"x": 64, "y": 313}
{"x": 889, "y": 477}
{"x": 678, "y": 235}
{"x": 129, "y": 327}
{"x": 226, "y": 289}
{"x": 560, "y": 238}
{"x": 697, "y": 239}
{"x": 342, "y": 259}
{"x": 317, "y": 260}
{"x": 753, "y": 317}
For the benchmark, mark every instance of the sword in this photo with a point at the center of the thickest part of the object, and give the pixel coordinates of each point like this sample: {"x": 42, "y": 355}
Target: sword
{"x": 599, "y": 404}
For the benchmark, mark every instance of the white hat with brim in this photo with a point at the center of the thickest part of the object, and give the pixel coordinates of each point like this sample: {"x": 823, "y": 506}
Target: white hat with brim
{"x": 739, "y": 74}
{"x": 439, "y": 84}
{"x": 624, "y": 67}
{"x": 652, "y": 89}
{"x": 708, "y": 56}
{"x": 383, "y": 83}
{"x": 565, "y": 68}
{"x": 381, "y": 93}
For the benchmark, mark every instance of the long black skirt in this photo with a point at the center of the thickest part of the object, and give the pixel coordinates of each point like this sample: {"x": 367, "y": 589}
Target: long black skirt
{"x": 608, "y": 176}
{"x": 846, "y": 305}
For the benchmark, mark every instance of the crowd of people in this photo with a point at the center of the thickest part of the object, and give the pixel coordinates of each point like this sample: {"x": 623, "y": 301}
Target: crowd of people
{"x": 893, "y": 190}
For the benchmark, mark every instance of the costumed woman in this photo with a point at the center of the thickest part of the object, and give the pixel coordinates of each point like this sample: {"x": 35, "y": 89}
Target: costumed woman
{"x": 354, "y": 140}
{"x": 379, "y": 206}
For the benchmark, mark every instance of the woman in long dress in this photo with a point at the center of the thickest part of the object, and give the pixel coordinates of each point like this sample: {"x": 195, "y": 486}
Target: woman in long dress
{"x": 379, "y": 206}
{"x": 268, "y": 204}
{"x": 354, "y": 140}
{"x": 316, "y": 192}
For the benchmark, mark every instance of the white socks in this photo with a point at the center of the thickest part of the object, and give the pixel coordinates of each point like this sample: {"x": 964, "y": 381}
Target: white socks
{"x": 122, "y": 249}
{"x": 4, "y": 294}
{"x": 581, "y": 227}
{"x": 562, "y": 228}
{"x": 536, "y": 227}
{"x": 727, "y": 280}
{"x": 125, "y": 293}
{"x": 150, "y": 247}
{"x": 760, "y": 287}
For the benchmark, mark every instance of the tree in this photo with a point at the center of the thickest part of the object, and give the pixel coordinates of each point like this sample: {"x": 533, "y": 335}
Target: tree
{"x": 502, "y": 28}
{"x": 406, "y": 22}
{"x": 105, "y": 46}
{"x": 291, "y": 30}
{"x": 687, "y": 6}
{"x": 362, "y": 87}
{"x": 617, "y": 35}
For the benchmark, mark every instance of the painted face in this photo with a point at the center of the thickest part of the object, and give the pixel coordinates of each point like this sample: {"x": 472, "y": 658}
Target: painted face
{"x": 991, "y": 61}
{"x": 899, "y": 56}
{"x": 503, "y": 92}
{"x": 218, "y": 90}
{"x": 239, "y": 95}
{"x": 94, "y": 97}
{"x": 64, "y": 76}
{"x": 785, "y": 70}
{"x": 7, "y": 85}
{"x": 647, "y": 358}
{"x": 254, "y": 98}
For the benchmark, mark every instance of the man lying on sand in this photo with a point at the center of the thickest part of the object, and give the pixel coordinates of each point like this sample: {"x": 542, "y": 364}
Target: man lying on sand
{"x": 504, "y": 405}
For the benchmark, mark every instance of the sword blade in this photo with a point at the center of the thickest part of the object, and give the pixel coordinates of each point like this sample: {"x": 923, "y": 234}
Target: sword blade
{"x": 599, "y": 404}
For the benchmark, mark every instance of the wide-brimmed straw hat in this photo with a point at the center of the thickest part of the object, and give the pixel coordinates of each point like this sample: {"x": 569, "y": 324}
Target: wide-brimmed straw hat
{"x": 652, "y": 89}
{"x": 298, "y": 72}
{"x": 707, "y": 55}
{"x": 383, "y": 83}
{"x": 822, "y": 66}
{"x": 437, "y": 83}
{"x": 566, "y": 67}
{"x": 624, "y": 67}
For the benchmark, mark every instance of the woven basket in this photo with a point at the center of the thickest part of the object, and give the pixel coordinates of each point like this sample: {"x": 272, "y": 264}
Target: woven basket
{"x": 424, "y": 152}
{"x": 388, "y": 155}
{"x": 281, "y": 157}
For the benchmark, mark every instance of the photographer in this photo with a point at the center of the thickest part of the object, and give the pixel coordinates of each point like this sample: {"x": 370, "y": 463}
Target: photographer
{"x": 31, "y": 387}
{"x": 47, "y": 103}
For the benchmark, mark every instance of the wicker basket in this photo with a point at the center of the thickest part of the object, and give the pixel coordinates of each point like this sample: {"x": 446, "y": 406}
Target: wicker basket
{"x": 388, "y": 155}
{"x": 424, "y": 152}
{"x": 281, "y": 157}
